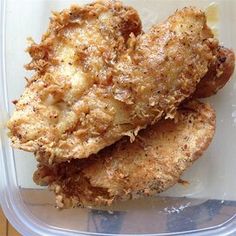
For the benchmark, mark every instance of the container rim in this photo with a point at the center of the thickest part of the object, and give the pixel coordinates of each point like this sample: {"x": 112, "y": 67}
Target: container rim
{"x": 10, "y": 199}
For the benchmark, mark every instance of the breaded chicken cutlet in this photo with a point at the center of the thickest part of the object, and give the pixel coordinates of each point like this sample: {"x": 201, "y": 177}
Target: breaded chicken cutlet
{"x": 151, "y": 164}
{"x": 80, "y": 102}
{"x": 62, "y": 177}
{"x": 77, "y": 52}
{"x": 217, "y": 76}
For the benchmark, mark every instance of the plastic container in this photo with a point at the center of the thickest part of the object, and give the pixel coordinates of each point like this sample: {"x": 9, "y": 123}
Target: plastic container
{"x": 206, "y": 207}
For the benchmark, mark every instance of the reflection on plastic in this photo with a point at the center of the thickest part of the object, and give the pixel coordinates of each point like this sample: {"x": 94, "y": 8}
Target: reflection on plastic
{"x": 181, "y": 217}
{"x": 105, "y": 221}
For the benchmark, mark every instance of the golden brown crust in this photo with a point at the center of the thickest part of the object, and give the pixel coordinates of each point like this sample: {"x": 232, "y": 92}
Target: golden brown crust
{"x": 110, "y": 89}
{"x": 218, "y": 74}
{"x": 123, "y": 21}
{"x": 151, "y": 164}
{"x": 92, "y": 37}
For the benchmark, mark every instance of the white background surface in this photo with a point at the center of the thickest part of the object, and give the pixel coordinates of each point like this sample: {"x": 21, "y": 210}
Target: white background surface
{"x": 213, "y": 176}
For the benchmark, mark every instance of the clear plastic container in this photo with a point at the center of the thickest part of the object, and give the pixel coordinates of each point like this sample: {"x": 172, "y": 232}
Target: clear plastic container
{"x": 206, "y": 207}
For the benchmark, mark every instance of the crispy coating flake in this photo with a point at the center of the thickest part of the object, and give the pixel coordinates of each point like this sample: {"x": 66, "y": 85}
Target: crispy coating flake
{"x": 89, "y": 92}
{"x": 151, "y": 164}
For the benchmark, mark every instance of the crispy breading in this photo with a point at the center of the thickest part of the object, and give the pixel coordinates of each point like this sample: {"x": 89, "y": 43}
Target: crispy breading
{"x": 151, "y": 164}
{"x": 218, "y": 74}
{"x": 86, "y": 97}
{"x": 56, "y": 176}
{"x": 77, "y": 52}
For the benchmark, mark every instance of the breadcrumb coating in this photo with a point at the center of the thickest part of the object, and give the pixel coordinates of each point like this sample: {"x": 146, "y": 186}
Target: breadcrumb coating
{"x": 94, "y": 83}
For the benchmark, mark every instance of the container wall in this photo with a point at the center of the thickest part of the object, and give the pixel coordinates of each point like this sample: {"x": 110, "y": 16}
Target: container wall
{"x": 209, "y": 201}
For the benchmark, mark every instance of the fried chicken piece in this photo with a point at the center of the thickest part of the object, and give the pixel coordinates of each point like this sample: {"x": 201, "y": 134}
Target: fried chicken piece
{"x": 58, "y": 176}
{"x": 151, "y": 164}
{"x": 218, "y": 74}
{"x": 72, "y": 111}
{"x": 77, "y": 52}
